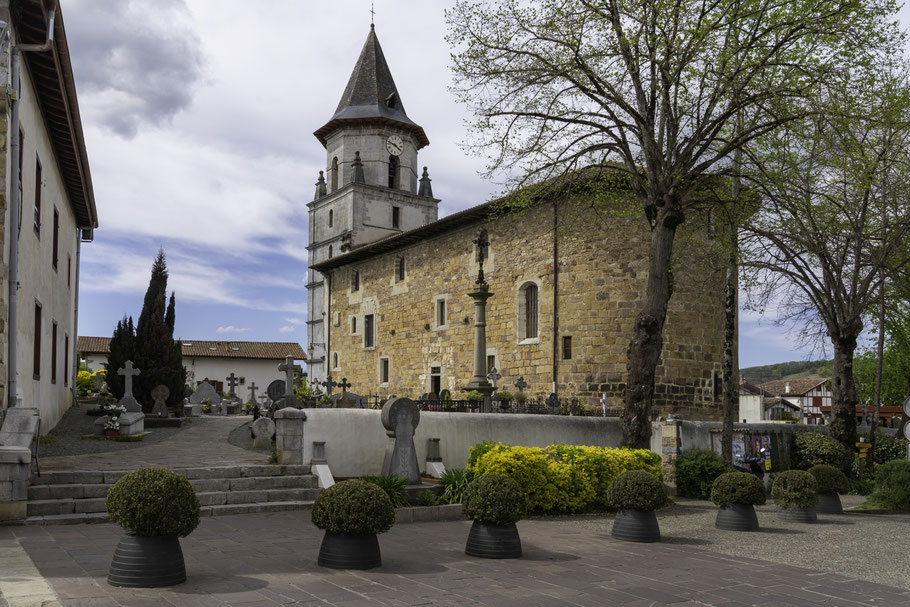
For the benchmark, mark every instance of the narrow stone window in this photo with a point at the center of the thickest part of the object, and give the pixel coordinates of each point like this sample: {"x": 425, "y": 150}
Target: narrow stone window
{"x": 353, "y": 325}
{"x": 330, "y": 250}
{"x": 396, "y": 217}
{"x": 36, "y": 336}
{"x": 331, "y": 218}
{"x": 527, "y": 311}
{"x": 393, "y": 171}
{"x": 440, "y": 312}
{"x": 55, "y": 243}
{"x": 399, "y": 271}
{"x": 334, "y": 173}
{"x": 335, "y": 360}
{"x": 566, "y": 347}
{"x": 355, "y": 280}
{"x": 383, "y": 370}
{"x": 368, "y": 331}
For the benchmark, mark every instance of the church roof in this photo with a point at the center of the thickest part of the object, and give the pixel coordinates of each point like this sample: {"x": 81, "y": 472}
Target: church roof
{"x": 371, "y": 96}
{"x": 209, "y": 349}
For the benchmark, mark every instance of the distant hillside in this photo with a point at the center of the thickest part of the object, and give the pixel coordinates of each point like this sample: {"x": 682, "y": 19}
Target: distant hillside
{"x": 791, "y": 370}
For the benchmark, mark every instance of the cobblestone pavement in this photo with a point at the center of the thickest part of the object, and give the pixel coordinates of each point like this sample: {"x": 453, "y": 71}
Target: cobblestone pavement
{"x": 199, "y": 445}
{"x": 260, "y": 560}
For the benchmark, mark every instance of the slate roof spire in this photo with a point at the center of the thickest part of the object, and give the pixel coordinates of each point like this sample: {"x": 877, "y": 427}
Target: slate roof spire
{"x": 371, "y": 96}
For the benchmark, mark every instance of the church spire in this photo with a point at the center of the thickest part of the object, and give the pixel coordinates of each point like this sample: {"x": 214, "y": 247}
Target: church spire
{"x": 371, "y": 96}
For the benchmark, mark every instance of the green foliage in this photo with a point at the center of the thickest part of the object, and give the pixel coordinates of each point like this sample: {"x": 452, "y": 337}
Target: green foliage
{"x": 887, "y": 447}
{"x": 154, "y": 502}
{"x": 84, "y": 382}
{"x": 637, "y": 490}
{"x": 738, "y": 488}
{"x": 696, "y": 470}
{"x": 861, "y": 487}
{"x": 895, "y": 371}
{"x": 790, "y": 370}
{"x": 892, "y": 485}
{"x": 426, "y": 498}
{"x": 495, "y": 498}
{"x": 453, "y": 482}
{"x": 478, "y": 450}
{"x": 121, "y": 350}
{"x": 829, "y": 479}
{"x": 812, "y": 448}
{"x": 392, "y": 485}
{"x": 156, "y": 354}
{"x": 563, "y": 478}
{"x": 473, "y": 395}
{"x": 504, "y": 395}
{"x": 353, "y": 507}
{"x": 795, "y": 488}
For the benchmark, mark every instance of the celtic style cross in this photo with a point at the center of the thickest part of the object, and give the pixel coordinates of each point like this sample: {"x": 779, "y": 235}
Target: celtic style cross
{"x": 128, "y": 372}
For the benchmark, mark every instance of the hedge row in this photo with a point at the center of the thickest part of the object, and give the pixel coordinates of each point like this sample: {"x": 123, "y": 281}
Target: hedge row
{"x": 562, "y": 478}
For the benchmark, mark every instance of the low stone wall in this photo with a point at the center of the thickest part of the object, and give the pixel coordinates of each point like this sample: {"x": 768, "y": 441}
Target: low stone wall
{"x": 17, "y": 437}
{"x": 355, "y": 440}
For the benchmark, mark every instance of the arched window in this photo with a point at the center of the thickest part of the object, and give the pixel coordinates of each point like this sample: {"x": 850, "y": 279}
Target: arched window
{"x": 331, "y": 218}
{"x": 393, "y": 171}
{"x": 334, "y": 173}
{"x": 527, "y": 311}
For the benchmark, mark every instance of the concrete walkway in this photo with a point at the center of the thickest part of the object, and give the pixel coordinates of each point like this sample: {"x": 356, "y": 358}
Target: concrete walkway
{"x": 199, "y": 445}
{"x": 269, "y": 560}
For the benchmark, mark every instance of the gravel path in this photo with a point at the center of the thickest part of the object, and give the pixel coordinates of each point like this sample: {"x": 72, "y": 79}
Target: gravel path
{"x": 865, "y": 546}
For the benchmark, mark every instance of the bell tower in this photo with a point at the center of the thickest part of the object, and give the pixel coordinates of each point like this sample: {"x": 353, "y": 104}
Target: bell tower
{"x": 370, "y": 188}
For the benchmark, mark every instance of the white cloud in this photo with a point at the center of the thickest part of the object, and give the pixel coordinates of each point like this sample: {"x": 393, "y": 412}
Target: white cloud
{"x": 287, "y": 329}
{"x": 295, "y": 321}
{"x": 231, "y": 329}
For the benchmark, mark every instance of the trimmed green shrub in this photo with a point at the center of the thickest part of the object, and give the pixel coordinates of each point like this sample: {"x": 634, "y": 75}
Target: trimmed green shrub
{"x": 811, "y": 448}
{"x": 795, "y": 488}
{"x": 353, "y": 507}
{"x": 892, "y": 485}
{"x": 478, "y": 450}
{"x": 496, "y": 499}
{"x": 154, "y": 502}
{"x": 637, "y": 490}
{"x": 829, "y": 479}
{"x": 426, "y": 498}
{"x": 454, "y": 481}
{"x": 393, "y": 485}
{"x": 738, "y": 488}
{"x": 696, "y": 470}
{"x": 565, "y": 478}
{"x": 889, "y": 448}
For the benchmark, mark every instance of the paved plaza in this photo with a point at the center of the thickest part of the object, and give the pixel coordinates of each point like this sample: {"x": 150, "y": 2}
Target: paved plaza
{"x": 254, "y": 560}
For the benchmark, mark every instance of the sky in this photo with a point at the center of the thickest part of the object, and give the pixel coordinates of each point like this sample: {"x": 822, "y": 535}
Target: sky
{"x": 198, "y": 118}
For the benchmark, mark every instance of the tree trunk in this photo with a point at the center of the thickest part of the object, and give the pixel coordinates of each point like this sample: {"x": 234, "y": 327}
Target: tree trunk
{"x": 843, "y": 388}
{"x": 730, "y": 397}
{"x": 877, "y": 398}
{"x": 647, "y": 334}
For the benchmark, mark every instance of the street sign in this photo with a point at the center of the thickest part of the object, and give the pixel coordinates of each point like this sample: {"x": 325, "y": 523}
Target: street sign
{"x": 864, "y": 445}
{"x": 907, "y": 407}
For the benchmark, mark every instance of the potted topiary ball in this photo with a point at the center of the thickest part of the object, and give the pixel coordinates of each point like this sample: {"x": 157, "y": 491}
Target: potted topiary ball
{"x": 637, "y": 494}
{"x": 352, "y": 513}
{"x": 496, "y": 502}
{"x": 831, "y": 481}
{"x": 156, "y": 506}
{"x": 737, "y": 494}
{"x": 795, "y": 492}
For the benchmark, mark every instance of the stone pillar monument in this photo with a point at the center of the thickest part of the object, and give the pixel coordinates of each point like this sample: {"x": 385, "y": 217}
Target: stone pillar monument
{"x": 480, "y": 295}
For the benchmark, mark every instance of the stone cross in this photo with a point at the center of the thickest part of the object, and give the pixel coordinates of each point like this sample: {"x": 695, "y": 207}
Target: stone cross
{"x": 232, "y": 381}
{"x": 327, "y": 383}
{"x": 159, "y": 395}
{"x": 264, "y": 398}
{"x": 521, "y": 384}
{"x": 483, "y": 242}
{"x": 288, "y": 367}
{"x": 344, "y": 385}
{"x": 494, "y": 376}
{"x": 128, "y": 371}
{"x": 253, "y": 387}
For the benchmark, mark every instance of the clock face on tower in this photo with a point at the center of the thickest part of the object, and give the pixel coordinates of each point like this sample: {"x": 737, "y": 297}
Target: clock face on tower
{"x": 394, "y": 145}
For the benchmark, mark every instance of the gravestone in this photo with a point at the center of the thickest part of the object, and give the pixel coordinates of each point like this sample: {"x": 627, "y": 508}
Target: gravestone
{"x": 205, "y": 390}
{"x": 521, "y": 384}
{"x": 445, "y": 395}
{"x": 159, "y": 395}
{"x": 275, "y": 390}
{"x": 349, "y": 400}
{"x": 288, "y": 368}
{"x": 97, "y": 382}
{"x": 128, "y": 372}
{"x": 263, "y": 431}
{"x": 400, "y": 417}
{"x": 252, "y": 388}
{"x": 553, "y": 403}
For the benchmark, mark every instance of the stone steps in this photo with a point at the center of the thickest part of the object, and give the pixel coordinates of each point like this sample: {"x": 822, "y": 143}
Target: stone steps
{"x": 79, "y": 496}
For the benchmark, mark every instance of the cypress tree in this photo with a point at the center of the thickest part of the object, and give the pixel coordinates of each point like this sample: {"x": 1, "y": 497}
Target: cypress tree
{"x": 156, "y": 354}
{"x": 121, "y": 350}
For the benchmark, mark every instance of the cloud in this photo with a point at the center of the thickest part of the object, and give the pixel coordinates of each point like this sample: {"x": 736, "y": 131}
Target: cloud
{"x": 141, "y": 66}
{"x": 231, "y": 329}
{"x": 295, "y": 321}
{"x": 287, "y": 329}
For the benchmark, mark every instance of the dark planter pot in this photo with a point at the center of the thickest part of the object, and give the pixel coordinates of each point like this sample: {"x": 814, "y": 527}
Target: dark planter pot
{"x": 344, "y": 551}
{"x": 147, "y": 562}
{"x": 829, "y": 503}
{"x": 797, "y": 515}
{"x": 737, "y": 517}
{"x": 491, "y": 541}
{"x": 636, "y": 526}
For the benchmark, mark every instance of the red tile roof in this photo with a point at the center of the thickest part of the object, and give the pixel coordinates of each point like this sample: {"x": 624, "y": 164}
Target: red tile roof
{"x": 214, "y": 349}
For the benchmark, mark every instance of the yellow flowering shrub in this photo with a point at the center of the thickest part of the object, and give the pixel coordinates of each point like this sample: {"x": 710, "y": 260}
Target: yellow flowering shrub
{"x": 562, "y": 478}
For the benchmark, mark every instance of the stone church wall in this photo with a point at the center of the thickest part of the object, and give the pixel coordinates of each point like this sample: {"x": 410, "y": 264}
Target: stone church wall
{"x": 602, "y": 272}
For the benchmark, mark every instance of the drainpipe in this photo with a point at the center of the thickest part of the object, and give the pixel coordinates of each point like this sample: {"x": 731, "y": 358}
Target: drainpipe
{"x": 74, "y": 370}
{"x": 13, "y": 134}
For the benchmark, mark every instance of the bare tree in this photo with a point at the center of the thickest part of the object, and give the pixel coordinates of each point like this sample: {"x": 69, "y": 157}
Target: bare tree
{"x": 666, "y": 90}
{"x": 835, "y": 219}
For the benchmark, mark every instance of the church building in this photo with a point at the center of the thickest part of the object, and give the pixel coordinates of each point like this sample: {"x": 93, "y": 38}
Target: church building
{"x": 389, "y": 282}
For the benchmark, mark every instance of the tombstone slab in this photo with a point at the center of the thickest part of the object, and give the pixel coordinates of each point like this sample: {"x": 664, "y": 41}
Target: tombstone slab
{"x": 347, "y": 400}
{"x": 275, "y": 390}
{"x": 263, "y": 431}
{"x": 159, "y": 395}
{"x": 400, "y": 417}
{"x": 131, "y": 422}
{"x": 204, "y": 391}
